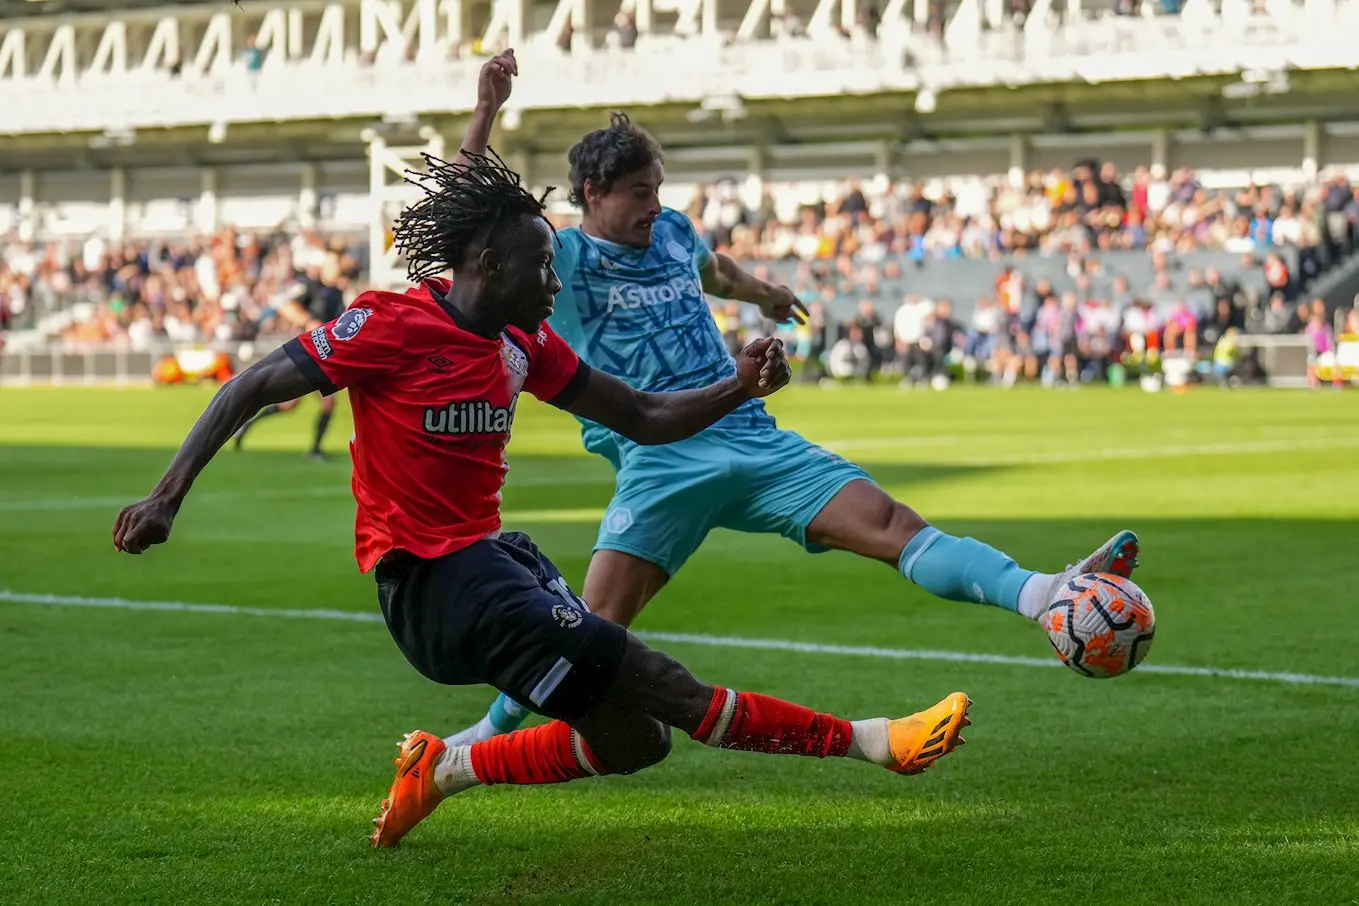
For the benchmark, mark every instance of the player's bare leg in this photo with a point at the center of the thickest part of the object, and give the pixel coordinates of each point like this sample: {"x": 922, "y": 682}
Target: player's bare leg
{"x": 865, "y": 520}
{"x": 627, "y": 733}
{"x": 322, "y": 422}
{"x": 617, "y": 587}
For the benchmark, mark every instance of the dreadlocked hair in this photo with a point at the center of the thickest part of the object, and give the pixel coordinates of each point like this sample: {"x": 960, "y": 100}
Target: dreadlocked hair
{"x": 464, "y": 203}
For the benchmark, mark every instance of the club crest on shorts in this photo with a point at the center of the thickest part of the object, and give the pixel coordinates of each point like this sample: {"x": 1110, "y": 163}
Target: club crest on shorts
{"x": 618, "y": 520}
{"x": 348, "y": 325}
{"x": 566, "y": 617}
{"x": 514, "y": 357}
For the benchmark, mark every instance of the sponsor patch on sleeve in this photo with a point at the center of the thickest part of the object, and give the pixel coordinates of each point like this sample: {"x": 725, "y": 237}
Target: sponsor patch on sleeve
{"x": 318, "y": 339}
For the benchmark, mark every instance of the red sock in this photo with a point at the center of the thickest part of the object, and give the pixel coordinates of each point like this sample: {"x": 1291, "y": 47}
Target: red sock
{"x": 550, "y": 753}
{"x": 759, "y": 723}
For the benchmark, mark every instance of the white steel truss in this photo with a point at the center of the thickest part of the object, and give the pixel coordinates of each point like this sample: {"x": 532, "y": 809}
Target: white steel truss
{"x": 388, "y": 166}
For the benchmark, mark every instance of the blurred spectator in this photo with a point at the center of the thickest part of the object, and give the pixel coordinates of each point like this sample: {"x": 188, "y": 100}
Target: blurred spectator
{"x": 624, "y": 31}
{"x": 1227, "y": 356}
{"x": 252, "y": 57}
{"x": 908, "y": 329}
{"x": 1181, "y": 330}
{"x": 874, "y": 338}
{"x": 1321, "y": 348}
{"x": 980, "y": 343}
{"x": 849, "y": 357}
{"x": 819, "y": 341}
{"x": 942, "y": 334}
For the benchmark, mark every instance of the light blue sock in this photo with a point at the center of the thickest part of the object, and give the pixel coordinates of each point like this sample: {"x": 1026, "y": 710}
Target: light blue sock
{"x": 506, "y": 714}
{"x": 962, "y": 569}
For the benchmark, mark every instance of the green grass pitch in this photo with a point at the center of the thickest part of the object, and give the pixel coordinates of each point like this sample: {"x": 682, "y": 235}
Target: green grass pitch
{"x": 194, "y": 758}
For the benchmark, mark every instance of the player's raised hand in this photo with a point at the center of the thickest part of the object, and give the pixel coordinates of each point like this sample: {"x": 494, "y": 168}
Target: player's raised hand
{"x": 143, "y": 524}
{"x": 496, "y": 80}
{"x": 783, "y": 306}
{"x": 762, "y": 367}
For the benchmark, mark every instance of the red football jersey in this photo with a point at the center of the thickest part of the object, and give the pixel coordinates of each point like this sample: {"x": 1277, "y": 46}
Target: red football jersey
{"x": 433, "y": 405}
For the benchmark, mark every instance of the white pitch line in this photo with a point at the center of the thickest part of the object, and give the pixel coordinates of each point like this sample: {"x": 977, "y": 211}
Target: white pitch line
{"x": 709, "y": 641}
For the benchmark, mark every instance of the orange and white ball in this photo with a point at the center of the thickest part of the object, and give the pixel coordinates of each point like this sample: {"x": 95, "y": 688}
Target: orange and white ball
{"x": 1100, "y": 625}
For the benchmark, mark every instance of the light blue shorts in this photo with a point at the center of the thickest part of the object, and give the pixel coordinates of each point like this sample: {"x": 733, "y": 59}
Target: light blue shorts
{"x": 759, "y": 480}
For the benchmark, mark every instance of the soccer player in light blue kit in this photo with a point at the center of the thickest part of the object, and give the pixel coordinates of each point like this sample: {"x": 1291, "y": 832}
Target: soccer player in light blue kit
{"x": 634, "y": 277}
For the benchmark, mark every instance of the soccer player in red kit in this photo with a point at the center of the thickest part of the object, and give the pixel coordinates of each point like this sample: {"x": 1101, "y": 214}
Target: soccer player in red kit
{"x": 434, "y": 375}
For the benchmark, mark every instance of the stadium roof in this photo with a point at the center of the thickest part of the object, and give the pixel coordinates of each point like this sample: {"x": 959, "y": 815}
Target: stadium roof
{"x": 18, "y": 9}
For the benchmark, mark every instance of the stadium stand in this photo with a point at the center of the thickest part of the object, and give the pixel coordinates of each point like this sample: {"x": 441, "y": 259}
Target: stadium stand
{"x": 169, "y": 171}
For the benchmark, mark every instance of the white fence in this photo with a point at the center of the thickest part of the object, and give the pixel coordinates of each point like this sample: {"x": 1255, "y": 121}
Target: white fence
{"x": 1284, "y": 359}
{"x": 58, "y": 365}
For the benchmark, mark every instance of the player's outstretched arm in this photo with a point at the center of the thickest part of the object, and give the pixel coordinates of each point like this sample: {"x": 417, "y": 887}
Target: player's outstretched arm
{"x": 493, "y": 90}
{"x": 662, "y": 418}
{"x": 273, "y": 379}
{"x": 724, "y": 278}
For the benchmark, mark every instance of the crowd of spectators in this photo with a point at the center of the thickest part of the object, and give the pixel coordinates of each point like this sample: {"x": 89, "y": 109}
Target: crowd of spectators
{"x": 836, "y": 253}
{"x": 1090, "y": 207}
{"x": 843, "y": 250}
{"x": 1031, "y": 333}
{"x": 138, "y": 295}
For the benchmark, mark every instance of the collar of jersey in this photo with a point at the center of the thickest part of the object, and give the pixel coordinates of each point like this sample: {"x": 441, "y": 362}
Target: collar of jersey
{"x": 621, "y": 254}
{"x": 437, "y": 288}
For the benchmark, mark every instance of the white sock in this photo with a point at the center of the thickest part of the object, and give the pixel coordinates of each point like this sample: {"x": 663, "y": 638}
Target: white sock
{"x": 1033, "y": 597}
{"x": 453, "y": 771}
{"x": 869, "y": 741}
{"x": 480, "y": 731}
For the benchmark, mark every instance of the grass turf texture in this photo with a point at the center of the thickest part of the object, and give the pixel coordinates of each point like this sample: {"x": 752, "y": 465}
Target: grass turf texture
{"x": 215, "y": 758}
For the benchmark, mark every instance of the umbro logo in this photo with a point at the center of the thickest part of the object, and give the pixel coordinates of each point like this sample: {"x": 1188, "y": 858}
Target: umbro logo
{"x": 441, "y": 364}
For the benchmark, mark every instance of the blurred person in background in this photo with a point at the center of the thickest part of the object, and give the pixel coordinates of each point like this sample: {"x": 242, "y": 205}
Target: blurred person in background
{"x": 1065, "y": 344}
{"x": 942, "y": 334}
{"x": 1227, "y": 357}
{"x": 1321, "y": 349}
{"x": 980, "y": 343}
{"x": 850, "y": 357}
{"x": 908, "y": 328}
{"x": 1181, "y": 332}
{"x": 1042, "y": 335}
{"x": 814, "y": 369}
{"x": 315, "y": 298}
{"x": 869, "y": 323}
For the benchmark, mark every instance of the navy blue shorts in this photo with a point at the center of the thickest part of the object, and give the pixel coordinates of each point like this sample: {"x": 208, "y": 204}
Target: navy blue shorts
{"x": 499, "y": 613}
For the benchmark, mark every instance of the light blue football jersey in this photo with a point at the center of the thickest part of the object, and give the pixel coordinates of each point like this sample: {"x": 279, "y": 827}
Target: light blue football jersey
{"x": 641, "y": 316}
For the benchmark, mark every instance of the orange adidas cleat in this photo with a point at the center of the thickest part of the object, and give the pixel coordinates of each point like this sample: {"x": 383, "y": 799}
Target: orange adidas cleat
{"x": 413, "y": 794}
{"x": 920, "y": 740}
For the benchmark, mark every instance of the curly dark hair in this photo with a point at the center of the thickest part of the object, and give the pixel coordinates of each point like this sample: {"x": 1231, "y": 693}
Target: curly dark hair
{"x": 606, "y": 154}
{"x": 463, "y": 207}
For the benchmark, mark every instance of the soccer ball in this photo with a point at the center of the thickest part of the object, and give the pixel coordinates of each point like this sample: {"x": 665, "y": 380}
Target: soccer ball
{"x": 1100, "y": 624}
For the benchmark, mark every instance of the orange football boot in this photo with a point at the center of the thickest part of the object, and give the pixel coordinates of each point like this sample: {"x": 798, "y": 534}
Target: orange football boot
{"x": 413, "y": 794}
{"x": 920, "y": 740}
